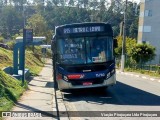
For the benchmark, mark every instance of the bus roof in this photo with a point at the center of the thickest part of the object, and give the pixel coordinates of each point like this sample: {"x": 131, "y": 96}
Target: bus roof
{"x": 82, "y": 24}
{"x": 83, "y": 29}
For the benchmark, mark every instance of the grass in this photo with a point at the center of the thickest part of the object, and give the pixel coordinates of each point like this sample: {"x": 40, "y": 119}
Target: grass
{"x": 34, "y": 64}
{"x": 145, "y": 72}
{"x": 33, "y": 60}
{"x": 6, "y": 58}
{"x": 10, "y": 91}
{"x": 10, "y": 88}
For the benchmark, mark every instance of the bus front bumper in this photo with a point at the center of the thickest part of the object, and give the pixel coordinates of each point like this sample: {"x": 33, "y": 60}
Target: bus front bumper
{"x": 62, "y": 84}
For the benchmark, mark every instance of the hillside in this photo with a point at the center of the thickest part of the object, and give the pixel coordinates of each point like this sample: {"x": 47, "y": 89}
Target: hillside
{"x": 33, "y": 60}
{"x": 10, "y": 91}
{"x": 11, "y": 88}
{"x": 6, "y": 58}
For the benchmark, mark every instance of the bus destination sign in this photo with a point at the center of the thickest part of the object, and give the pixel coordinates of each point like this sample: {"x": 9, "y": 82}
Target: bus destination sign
{"x": 83, "y": 29}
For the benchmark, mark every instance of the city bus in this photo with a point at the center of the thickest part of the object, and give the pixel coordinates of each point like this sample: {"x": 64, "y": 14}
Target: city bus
{"x": 83, "y": 56}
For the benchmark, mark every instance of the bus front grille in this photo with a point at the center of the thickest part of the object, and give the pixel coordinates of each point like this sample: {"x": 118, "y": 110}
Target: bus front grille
{"x": 93, "y": 81}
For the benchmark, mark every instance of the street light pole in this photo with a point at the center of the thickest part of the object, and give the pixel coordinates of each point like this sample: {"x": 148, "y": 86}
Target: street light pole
{"x": 124, "y": 38}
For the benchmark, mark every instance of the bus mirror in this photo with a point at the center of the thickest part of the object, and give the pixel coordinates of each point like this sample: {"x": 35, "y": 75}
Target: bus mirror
{"x": 115, "y": 44}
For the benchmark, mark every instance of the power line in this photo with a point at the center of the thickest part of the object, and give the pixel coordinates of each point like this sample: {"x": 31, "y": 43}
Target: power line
{"x": 115, "y": 14}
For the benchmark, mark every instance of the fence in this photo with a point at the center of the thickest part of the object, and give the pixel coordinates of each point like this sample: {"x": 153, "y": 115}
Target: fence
{"x": 150, "y": 66}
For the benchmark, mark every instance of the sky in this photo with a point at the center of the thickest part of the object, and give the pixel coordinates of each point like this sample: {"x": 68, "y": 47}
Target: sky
{"x": 135, "y": 0}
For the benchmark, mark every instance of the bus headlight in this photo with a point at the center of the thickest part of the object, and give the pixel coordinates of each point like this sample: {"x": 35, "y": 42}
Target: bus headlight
{"x": 108, "y": 75}
{"x": 112, "y": 71}
{"x": 65, "y": 78}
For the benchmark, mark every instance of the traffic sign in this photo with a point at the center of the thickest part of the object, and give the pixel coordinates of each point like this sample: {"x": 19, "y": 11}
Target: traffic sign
{"x": 28, "y": 36}
{"x": 27, "y": 39}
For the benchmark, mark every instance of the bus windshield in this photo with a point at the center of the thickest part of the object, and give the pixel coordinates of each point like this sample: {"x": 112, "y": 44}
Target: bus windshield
{"x": 85, "y": 50}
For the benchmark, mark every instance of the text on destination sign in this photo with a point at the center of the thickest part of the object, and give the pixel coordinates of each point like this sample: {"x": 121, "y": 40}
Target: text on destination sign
{"x": 83, "y": 29}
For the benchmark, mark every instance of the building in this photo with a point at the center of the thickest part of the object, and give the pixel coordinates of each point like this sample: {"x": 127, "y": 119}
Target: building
{"x": 149, "y": 25}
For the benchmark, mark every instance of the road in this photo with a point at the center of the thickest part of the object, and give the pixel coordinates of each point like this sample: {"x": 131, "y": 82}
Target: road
{"x": 129, "y": 94}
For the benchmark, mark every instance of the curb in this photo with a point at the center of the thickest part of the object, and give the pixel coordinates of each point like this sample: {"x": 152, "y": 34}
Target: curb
{"x": 60, "y": 105}
{"x": 139, "y": 76}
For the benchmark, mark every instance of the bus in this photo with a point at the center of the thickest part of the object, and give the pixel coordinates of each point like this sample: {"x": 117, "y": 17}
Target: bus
{"x": 83, "y": 56}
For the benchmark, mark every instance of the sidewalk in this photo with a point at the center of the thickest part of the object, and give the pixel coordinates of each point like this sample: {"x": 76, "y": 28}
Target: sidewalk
{"x": 40, "y": 97}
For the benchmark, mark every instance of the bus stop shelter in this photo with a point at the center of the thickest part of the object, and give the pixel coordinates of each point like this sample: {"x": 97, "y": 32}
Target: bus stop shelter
{"x": 17, "y": 54}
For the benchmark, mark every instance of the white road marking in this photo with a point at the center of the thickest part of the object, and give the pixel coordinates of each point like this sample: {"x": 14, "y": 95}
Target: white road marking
{"x": 130, "y": 74}
{"x": 152, "y": 79}
{"x": 144, "y": 77}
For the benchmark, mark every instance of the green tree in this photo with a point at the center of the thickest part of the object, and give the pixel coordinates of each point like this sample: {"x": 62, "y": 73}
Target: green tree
{"x": 130, "y": 43}
{"x": 10, "y": 21}
{"x": 132, "y": 20}
{"x": 38, "y": 24}
{"x": 142, "y": 53}
{"x": 58, "y": 12}
{"x": 55, "y": 2}
{"x": 71, "y": 3}
{"x": 114, "y": 15}
{"x": 133, "y": 30}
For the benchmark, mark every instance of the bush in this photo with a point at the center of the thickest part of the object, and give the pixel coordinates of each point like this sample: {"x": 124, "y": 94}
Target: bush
{"x": 142, "y": 53}
{"x": 1, "y": 39}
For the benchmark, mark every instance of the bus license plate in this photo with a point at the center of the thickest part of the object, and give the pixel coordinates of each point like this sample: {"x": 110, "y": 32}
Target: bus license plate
{"x": 87, "y": 83}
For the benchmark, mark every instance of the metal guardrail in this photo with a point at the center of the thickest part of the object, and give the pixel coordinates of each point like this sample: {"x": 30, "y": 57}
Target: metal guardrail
{"x": 146, "y": 67}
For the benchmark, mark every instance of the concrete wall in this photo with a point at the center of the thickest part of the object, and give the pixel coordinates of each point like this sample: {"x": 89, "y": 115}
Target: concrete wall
{"x": 151, "y": 20}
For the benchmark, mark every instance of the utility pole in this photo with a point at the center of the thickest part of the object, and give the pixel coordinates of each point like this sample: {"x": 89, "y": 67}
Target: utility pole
{"x": 121, "y": 28}
{"x": 124, "y": 38}
{"x": 24, "y": 17}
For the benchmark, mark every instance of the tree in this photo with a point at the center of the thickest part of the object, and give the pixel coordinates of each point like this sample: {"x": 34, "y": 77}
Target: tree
{"x": 19, "y": 4}
{"x": 38, "y": 24}
{"x": 10, "y": 22}
{"x": 55, "y": 2}
{"x": 71, "y": 3}
{"x": 133, "y": 30}
{"x": 102, "y": 10}
{"x": 114, "y": 15}
{"x": 130, "y": 44}
{"x": 58, "y": 12}
{"x": 142, "y": 53}
{"x": 132, "y": 20}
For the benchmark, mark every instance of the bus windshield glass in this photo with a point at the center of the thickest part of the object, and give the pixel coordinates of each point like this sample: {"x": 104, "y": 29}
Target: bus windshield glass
{"x": 85, "y": 50}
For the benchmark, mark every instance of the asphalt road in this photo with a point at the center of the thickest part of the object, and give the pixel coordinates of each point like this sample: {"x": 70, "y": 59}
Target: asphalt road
{"x": 129, "y": 94}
